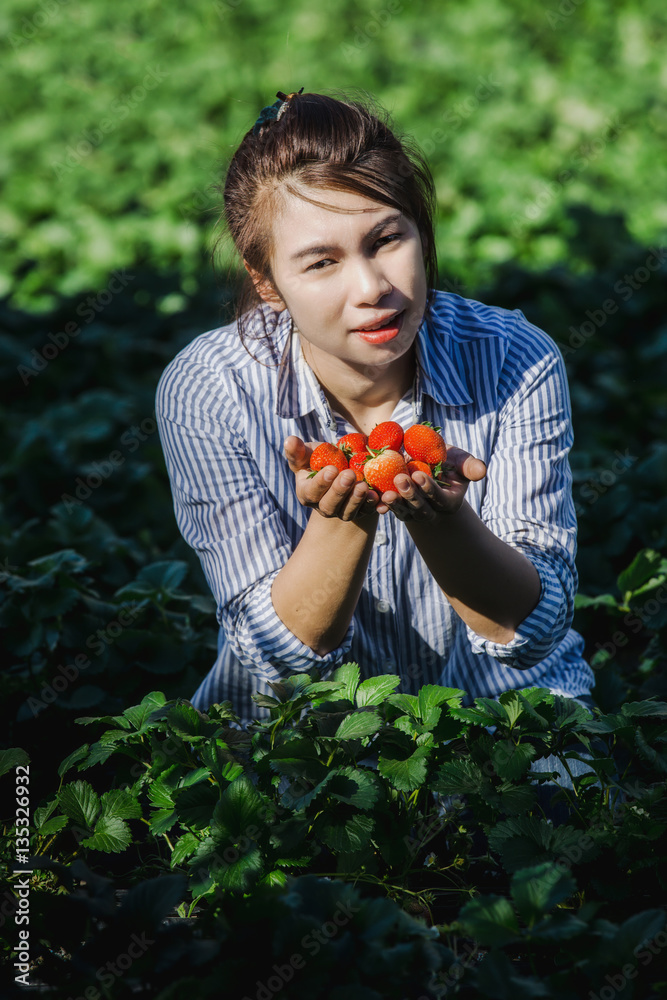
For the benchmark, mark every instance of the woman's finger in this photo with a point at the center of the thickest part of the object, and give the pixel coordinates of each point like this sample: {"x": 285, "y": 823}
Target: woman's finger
{"x": 297, "y": 453}
{"x": 465, "y": 464}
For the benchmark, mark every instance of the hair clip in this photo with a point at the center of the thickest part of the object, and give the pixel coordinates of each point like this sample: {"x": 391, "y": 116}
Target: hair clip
{"x": 274, "y": 112}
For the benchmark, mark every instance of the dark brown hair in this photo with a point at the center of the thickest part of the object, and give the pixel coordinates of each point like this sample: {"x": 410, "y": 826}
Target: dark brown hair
{"x": 321, "y": 142}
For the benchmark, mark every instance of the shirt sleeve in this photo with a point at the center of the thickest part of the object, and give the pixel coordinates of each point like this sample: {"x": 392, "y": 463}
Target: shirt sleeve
{"x": 226, "y": 512}
{"x": 528, "y": 502}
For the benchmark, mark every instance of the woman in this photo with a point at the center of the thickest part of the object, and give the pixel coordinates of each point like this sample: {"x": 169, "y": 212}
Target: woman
{"x": 468, "y": 582}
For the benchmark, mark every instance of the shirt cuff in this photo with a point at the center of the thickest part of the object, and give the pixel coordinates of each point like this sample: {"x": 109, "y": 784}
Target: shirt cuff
{"x": 264, "y": 644}
{"x": 540, "y": 632}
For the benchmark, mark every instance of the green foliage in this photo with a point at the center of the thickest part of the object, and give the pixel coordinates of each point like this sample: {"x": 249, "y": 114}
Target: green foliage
{"x": 113, "y": 159}
{"x": 419, "y": 800}
{"x": 418, "y": 827}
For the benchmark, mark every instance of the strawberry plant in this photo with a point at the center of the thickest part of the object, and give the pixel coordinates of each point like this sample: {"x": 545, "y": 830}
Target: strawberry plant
{"x": 425, "y": 803}
{"x": 174, "y": 840}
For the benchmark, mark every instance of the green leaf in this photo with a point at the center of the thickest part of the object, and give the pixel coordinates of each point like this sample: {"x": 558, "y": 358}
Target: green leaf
{"x": 299, "y": 797}
{"x": 405, "y": 774}
{"x": 647, "y": 708}
{"x": 357, "y": 788}
{"x": 407, "y": 703}
{"x": 276, "y": 879}
{"x": 511, "y": 760}
{"x": 183, "y": 848}
{"x": 14, "y": 757}
{"x": 186, "y": 722}
{"x": 137, "y": 715}
{"x": 494, "y": 710}
{"x": 358, "y": 724}
{"x": 322, "y": 688}
{"x": 162, "y": 820}
{"x": 511, "y": 799}
{"x": 540, "y": 888}
{"x": 161, "y": 791}
{"x": 195, "y": 805}
{"x": 646, "y": 565}
{"x": 512, "y": 704}
{"x": 80, "y": 802}
{"x": 658, "y": 760}
{"x": 157, "y": 580}
{"x": 600, "y": 601}
{"x": 241, "y": 874}
{"x": 240, "y": 808}
{"x": 348, "y": 675}
{"x": 42, "y": 813}
{"x": 119, "y": 802}
{"x": 72, "y": 759}
{"x": 635, "y": 931}
{"x": 433, "y": 695}
{"x": 352, "y": 834}
{"x": 112, "y": 835}
{"x": 219, "y": 761}
{"x": 459, "y": 777}
{"x": 376, "y": 690}
{"x": 53, "y": 825}
{"x": 523, "y": 841}
{"x": 147, "y": 904}
{"x": 489, "y": 920}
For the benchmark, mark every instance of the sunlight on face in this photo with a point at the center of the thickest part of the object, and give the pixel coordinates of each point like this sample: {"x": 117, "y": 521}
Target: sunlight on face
{"x": 354, "y": 264}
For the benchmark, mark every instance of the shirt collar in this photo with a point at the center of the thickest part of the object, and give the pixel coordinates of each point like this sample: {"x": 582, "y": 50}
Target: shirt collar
{"x": 440, "y": 364}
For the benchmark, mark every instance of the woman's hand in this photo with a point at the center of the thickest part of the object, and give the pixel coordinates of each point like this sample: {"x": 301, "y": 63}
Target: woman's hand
{"x": 330, "y": 492}
{"x": 421, "y": 498}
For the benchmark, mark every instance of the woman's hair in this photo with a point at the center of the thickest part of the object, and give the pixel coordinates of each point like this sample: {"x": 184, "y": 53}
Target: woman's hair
{"x": 320, "y": 142}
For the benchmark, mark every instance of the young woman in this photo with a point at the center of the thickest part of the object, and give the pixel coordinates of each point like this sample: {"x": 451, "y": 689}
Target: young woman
{"x": 468, "y": 582}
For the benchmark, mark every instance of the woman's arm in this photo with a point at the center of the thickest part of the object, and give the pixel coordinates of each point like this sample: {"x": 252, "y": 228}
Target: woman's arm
{"x": 316, "y": 591}
{"x": 230, "y": 517}
{"x": 491, "y": 586}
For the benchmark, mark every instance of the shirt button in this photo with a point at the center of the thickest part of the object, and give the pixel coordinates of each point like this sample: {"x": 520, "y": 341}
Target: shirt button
{"x": 389, "y": 665}
{"x": 380, "y": 538}
{"x": 383, "y": 606}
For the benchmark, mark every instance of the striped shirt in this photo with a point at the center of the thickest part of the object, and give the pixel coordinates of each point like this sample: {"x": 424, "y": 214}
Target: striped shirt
{"x": 497, "y": 387}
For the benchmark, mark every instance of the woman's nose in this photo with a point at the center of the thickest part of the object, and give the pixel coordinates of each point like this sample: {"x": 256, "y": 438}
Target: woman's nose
{"x": 370, "y": 282}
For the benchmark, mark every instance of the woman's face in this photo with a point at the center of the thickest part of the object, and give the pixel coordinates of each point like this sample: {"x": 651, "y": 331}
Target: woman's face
{"x": 343, "y": 269}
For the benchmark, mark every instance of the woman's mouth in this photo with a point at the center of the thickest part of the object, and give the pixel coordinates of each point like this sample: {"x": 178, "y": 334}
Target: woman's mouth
{"x": 385, "y": 331}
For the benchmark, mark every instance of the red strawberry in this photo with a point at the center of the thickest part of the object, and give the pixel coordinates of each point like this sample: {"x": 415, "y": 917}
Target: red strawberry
{"x": 350, "y": 444}
{"x": 380, "y": 470}
{"x": 416, "y": 466}
{"x": 388, "y": 434}
{"x": 327, "y": 454}
{"x": 422, "y": 442}
{"x": 357, "y": 463}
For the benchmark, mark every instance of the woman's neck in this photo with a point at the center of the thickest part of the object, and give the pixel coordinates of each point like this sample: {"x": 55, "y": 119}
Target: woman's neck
{"x": 366, "y": 396}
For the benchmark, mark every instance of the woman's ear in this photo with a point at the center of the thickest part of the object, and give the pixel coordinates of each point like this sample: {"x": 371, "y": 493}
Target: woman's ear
{"x": 265, "y": 289}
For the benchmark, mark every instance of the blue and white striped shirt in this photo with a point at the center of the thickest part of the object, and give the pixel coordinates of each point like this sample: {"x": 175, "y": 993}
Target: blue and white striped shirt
{"x": 497, "y": 387}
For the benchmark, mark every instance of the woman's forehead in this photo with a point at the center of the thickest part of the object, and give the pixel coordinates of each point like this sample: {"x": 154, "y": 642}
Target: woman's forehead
{"x": 327, "y": 210}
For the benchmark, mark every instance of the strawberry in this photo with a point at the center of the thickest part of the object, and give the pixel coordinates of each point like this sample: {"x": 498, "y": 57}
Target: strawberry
{"x": 380, "y": 469}
{"x": 357, "y": 463}
{"x": 424, "y": 443}
{"x": 326, "y": 454}
{"x": 388, "y": 434}
{"x": 350, "y": 444}
{"x": 415, "y": 465}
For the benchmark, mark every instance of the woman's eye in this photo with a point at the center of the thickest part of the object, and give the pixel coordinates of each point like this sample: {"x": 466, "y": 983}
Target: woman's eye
{"x": 319, "y": 264}
{"x": 389, "y": 238}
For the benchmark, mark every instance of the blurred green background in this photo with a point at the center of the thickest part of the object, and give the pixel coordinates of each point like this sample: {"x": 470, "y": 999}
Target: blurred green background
{"x": 545, "y": 125}
{"x": 119, "y": 118}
